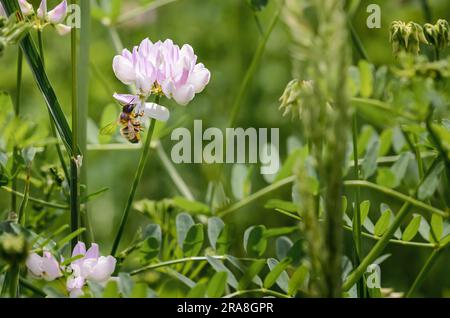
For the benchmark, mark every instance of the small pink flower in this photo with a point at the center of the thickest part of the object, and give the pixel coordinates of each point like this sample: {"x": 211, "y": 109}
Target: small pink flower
{"x": 90, "y": 267}
{"x": 44, "y": 267}
{"x": 26, "y": 8}
{"x": 58, "y": 14}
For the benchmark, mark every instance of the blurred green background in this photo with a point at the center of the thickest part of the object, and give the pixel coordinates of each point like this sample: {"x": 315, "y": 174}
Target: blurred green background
{"x": 224, "y": 35}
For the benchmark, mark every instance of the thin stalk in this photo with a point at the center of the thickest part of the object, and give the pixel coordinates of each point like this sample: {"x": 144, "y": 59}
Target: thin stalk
{"x": 35, "y": 200}
{"x": 179, "y": 182}
{"x": 132, "y": 14}
{"x": 83, "y": 108}
{"x": 251, "y": 198}
{"x": 395, "y": 194}
{"x": 357, "y": 215}
{"x": 182, "y": 261}
{"x": 357, "y": 42}
{"x": 257, "y": 291}
{"x": 17, "y": 113}
{"x": 75, "y": 162}
{"x": 383, "y": 242}
{"x": 251, "y": 71}
{"x": 424, "y": 271}
{"x": 23, "y": 205}
{"x": 136, "y": 181}
{"x": 14, "y": 282}
{"x": 52, "y": 125}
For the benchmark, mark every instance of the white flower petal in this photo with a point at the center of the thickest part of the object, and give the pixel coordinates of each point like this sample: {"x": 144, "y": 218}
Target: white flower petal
{"x": 124, "y": 70}
{"x": 156, "y": 111}
{"x": 103, "y": 270}
{"x": 184, "y": 94}
{"x": 26, "y": 8}
{"x": 58, "y": 14}
{"x": 62, "y": 29}
{"x": 42, "y": 11}
{"x": 33, "y": 263}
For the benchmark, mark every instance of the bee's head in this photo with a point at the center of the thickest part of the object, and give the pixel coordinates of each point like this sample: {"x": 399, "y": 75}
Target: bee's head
{"x": 128, "y": 108}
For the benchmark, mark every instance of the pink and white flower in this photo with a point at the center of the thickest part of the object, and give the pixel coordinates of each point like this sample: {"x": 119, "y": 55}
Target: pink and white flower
{"x": 90, "y": 267}
{"x": 54, "y": 17}
{"x": 43, "y": 267}
{"x": 2, "y": 11}
{"x": 160, "y": 67}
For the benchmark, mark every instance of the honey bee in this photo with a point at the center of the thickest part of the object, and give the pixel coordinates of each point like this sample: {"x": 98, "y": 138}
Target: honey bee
{"x": 130, "y": 123}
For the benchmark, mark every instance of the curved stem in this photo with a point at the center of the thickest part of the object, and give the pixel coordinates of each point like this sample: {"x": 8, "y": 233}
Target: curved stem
{"x": 136, "y": 181}
{"x": 424, "y": 271}
{"x": 181, "y": 261}
{"x": 257, "y": 291}
{"x": 256, "y": 195}
{"x": 23, "y": 205}
{"x": 395, "y": 194}
{"x": 35, "y": 200}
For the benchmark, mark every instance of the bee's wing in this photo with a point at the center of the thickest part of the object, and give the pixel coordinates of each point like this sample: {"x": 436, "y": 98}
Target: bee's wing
{"x": 109, "y": 129}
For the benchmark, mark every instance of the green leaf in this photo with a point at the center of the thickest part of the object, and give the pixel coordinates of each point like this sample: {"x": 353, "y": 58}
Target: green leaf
{"x": 255, "y": 243}
{"x": 283, "y": 246}
{"x": 126, "y": 285}
{"x": 386, "y": 177}
{"x": 365, "y": 139}
{"x": 288, "y": 166}
{"x": 375, "y": 112}
{"x": 218, "y": 266}
{"x": 277, "y": 274}
{"x": 215, "y": 227}
{"x": 437, "y": 226}
{"x": 149, "y": 249}
{"x": 183, "y": 223}
{"x": 198, "y": 291}
{"x": 383, "y": 223}
{"x": 191, "y": 206}
{"x": 153, "y": 230}
{"x": 295, "y": 253}
{"x": 431, "y": 182}
{"x": 412, "y": 229}
{"x": 61, "y": 243}
{"x": 281, "y": 205}
{"x": 111, "y": 290}
{"x": 364, "y": 209}
{"x": 216, "y": 287}
{"x": 385, "y": 142}
{"x": 239, "y": 181}
{"x": 369, "y": 165}
{"x": 354, "y": 80}
{"x": 173, "y": 288}
{"x": 225, "y": 239}
{"x": 298, "y": 280}
{"x": 424, "y": 229}
{"x": 255, "y": 268}
{"x": 366, "y": 71}
{"x": 28, "y": 155}
{"x": 109, "y": 117}
{"x": 399, "y": 168}
{"x": 380, "y": 82}
{"x": 140, "y": 290}
{"x": 194, "y": 240}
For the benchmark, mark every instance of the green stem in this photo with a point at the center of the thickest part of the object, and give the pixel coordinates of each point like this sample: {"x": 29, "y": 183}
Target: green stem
{"x": 179, "y": 182}
{"x": 83, "y": 109}
{"x": 257, "y": 291}
{"x": 75, "y": 162}
{"x": 357, "y": 42}
{"x": 274, "y": 186}
{"x": 136, "y": 181}
{"x": 52, "y": 125}
{"x": 132, "y": 14}
{"x": 251, "y": 71}
{"x": 357, "y": 213}
{"x": 14, "y": 282}
{"x": 424, "y": 271}
{"x": 35, "y": 200}
{"x": 23, "y": 205}
{"x": 182, "y": 261}
{"x": 395, "y": 194}
{"x": 384, "y": 241}
{"x": 17, "y": 113}
{"x": 426, "y": 11}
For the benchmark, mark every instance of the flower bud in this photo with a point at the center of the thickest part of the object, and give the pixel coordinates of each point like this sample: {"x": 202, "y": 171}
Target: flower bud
{"x": 292, "y": 98}
{"x": 13, "y": 248}
{"x": 406, "y": 37}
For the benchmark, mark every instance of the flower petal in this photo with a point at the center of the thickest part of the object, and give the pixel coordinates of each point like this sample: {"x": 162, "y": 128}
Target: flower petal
{"x": 103, "y": 269}
{"x": 184, "y": 94}
{"x": 156, "y": 111}
{"x": 79, "y": 249}
{"x": 42, "y": 11}
{"x": 58, "y": 14}
{"x": 62, "y": 29}
{"x": 93, "y": 251}
{"x": 26, "y": 8}
{"x": 126, "y": 99}
{"x": 33, "y": 263}
{"x": 124, "y": 70}
{"x": 200, "y": 78}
